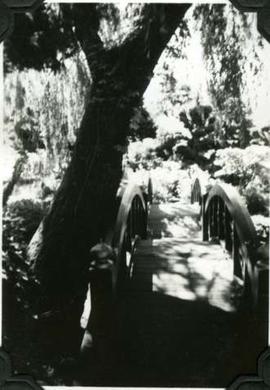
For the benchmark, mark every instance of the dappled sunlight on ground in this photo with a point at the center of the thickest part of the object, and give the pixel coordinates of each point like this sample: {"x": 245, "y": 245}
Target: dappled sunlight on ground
{"x": 177, "y": 318}
{"x": 211, "y": 282}
{"x": 174, "y": 285}
{"x": 179, "y": 264}
{"x": 174, "y": 220}
{"x": 180, "y": 307}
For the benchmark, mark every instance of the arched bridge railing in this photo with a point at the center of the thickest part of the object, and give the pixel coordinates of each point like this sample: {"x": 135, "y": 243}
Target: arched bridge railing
{"x": 111, "y": 264}
{"x": 131, "y": 224}
{"x": 226, "y": 219}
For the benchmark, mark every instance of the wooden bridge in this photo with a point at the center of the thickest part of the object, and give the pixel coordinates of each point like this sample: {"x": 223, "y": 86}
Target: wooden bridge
{"x": 175, "y": 294}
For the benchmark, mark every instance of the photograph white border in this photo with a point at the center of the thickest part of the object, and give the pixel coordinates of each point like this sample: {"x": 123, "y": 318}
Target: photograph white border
{"x": 2, "y": 165}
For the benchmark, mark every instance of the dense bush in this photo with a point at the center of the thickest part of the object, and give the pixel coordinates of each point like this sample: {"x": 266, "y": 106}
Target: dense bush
{"x": 247, "y": 169}
{"x": 142, "y": 155}
{"x": 194, "y": 138}
{"x": 261, "y": 224}
{"x": 20, "y": 222}
{"x": 170, "y": 181}
{"x": 141, "y": 124}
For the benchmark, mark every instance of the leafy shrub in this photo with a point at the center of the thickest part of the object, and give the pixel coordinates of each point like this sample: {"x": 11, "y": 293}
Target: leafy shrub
{"x": 20, "y": 222}
{"x": 230, "y": 165}
{"x": 141, "y": 124}
{"x": 261, "y": 224}
{"x": 256, "y": 197}
{"x": 248, "y": 169}
{"x": 142, "y": 155}
{"x": 260, "y": 136}
{"x": 195, "y": 171}
{"x": 170, "y": 182}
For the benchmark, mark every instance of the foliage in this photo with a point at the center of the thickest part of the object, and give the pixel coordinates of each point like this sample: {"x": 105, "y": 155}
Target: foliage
{"x": 47, "y": 38}
{"x": 248, "y": 169}
{"x": 195, "y": 139}
{"x": 42, "y": 114}
{"x": 174, "y": 49}
{"x": 27, "y": 131}
{"x": 15, "y": 177}
{"x": 224, "y": 66}
{"x": 141, "y": 155}
{"x": 116, "y": 23}
{"x": 20, "y": 287}
{"x": 261, "y": 136}
{"x": 202, "y": 124}
{"x": 170, "y": 181}
{"x": 226, "y": 44}
{"x": 50, "y": 37}
{"x": 174, "y": 92}
{"x": 175, "y": 183}
{"x": 141, "y": 124}
{"x": 20, "y": 222}
{"x": 262, "y": 225}
{"x": 216, "y": 47}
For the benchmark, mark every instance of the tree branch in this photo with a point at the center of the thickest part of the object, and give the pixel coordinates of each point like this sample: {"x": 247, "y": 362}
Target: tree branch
{"x": 87, "y": 20}
{"x": 142, "y": 49}
{"x": 138, "y": 53}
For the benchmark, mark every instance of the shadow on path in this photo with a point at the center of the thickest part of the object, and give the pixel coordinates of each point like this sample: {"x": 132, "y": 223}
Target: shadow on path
{"x": 172, "y": 342}
{"x": 177, "y": 322}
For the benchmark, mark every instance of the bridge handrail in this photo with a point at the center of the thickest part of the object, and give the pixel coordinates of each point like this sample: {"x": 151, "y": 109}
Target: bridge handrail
{"x": 130, "y": 192}
{"x": 109, "y": 268}
{"x": 244, "y": 224}
{"x": 131, "y": 223}
{"x": 147, "y": 189}
{"x": 226, "y": 218}
{"x": 131, "y": 220}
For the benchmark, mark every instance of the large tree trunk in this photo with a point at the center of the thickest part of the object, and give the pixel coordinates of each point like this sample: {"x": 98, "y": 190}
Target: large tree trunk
{"x": 85, "y": 204}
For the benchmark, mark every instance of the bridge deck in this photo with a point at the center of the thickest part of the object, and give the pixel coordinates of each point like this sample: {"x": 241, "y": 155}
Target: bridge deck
{"x": 179, "y": 322}
{"x": 175, "y": 262}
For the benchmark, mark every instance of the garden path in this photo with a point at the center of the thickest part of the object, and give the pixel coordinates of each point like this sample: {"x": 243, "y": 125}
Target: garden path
{"x": 180, "y": 325}
{"x": 178, "y": 318}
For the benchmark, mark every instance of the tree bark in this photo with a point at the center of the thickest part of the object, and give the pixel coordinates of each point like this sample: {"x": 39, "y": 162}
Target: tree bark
{"x": 84, "y": 207}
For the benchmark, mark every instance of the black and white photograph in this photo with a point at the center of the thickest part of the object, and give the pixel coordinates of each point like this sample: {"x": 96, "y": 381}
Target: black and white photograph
{"x": 135, "y": 169}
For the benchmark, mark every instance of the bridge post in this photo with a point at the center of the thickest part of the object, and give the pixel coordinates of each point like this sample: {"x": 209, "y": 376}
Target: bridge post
{"x": 205, "y": 219}
{"x": 150, "y": 191}
{"x": 261, "y": 279}
{"x": 101, "y": 323}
